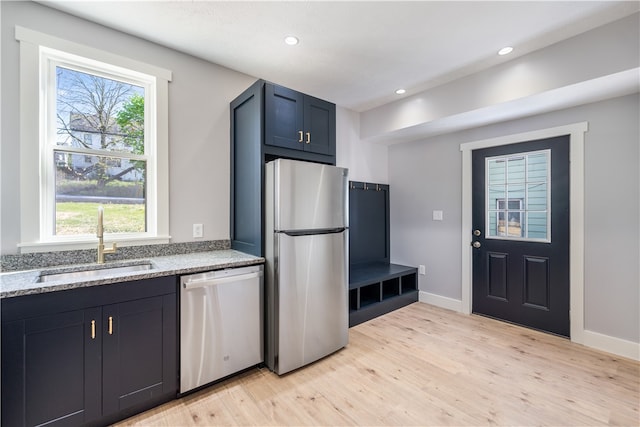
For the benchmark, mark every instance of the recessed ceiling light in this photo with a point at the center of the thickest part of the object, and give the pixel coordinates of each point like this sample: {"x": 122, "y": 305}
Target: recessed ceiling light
{"x": 400, "y": 91}
{"x": 291, "y": 40}
{"x": 505, "y": 50}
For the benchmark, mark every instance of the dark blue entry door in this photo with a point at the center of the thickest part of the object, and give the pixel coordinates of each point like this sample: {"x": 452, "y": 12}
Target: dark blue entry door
{"x": 521, "y": 233}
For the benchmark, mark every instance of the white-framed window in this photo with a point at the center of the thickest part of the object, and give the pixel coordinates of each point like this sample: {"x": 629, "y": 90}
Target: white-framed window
{"x": 100, "y": 139}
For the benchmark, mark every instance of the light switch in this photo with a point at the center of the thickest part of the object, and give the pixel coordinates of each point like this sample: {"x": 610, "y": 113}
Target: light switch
{"x": 437, "y": 215}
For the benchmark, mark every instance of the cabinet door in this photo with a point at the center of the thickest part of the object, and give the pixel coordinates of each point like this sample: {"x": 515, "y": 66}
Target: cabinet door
{"x": 139, "y": 345}
{"x": 283, "y": 117}
{"x": 51, "y": 369}
{"x": 320, "y": 126}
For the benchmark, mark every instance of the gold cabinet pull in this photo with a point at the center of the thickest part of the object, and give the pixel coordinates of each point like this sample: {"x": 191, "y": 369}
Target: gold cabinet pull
{"x": 110, "y": 325}
{"x": 308, "y": 138}
{"x": 93, "y": 329}
{"x": 300, "y": 133}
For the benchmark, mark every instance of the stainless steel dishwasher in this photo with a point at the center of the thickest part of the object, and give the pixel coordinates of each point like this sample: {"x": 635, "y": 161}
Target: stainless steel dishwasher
{"x": 221, "y": 324}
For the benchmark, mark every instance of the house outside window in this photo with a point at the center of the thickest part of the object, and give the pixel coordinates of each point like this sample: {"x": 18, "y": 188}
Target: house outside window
{"x": 519, "y": 196}
{"x": 102, "y": 142}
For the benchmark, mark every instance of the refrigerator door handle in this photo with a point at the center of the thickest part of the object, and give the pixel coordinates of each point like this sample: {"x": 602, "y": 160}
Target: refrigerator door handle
{"x": 294, "y": 233}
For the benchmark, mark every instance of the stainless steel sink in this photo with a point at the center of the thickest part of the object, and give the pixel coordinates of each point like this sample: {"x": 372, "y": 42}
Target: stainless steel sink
{"x": 94, "y": 272}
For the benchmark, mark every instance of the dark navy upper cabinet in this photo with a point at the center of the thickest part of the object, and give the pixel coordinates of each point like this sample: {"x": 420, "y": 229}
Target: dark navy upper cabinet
{"x": 67, "y": 361}
{"x": 269, "y": 122}
{"x": 300, "y": 122}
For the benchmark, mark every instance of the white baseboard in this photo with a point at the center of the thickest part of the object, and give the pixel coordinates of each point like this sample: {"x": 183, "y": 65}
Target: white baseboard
{"x": 591, "y": 339}
{"x": 440, "y": 301}
{"x": 613, "y": 345}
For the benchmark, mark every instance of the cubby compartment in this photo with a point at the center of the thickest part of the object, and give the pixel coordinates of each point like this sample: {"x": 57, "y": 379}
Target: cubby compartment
{"x": 369, "y": 294}
{"x": 409, "y": 283}
{"x": 391, "y": 288}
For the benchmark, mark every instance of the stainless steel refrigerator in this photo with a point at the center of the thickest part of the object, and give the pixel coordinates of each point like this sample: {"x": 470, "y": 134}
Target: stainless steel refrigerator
{"x": 306, "y": 248}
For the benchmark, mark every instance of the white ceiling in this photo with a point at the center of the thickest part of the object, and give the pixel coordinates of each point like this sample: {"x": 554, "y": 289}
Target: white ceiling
{"x": 354, "y": 54}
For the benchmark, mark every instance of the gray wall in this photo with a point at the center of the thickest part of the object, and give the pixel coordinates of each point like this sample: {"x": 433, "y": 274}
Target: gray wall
{"x": 199, "y": 97}
{"x": 426, "y": 176}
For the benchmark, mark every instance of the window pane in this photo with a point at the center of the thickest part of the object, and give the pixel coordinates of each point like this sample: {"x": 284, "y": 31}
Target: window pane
{"x": 501, "y": 229}
{"x": 84, "y": 182}
{"x": 493, "y": 224}
{"x": 515, "y": 193}
{"x": 497, "y": 172}
{"x": 514, "y": 224}
{"x": 537, "y": 197}
{"x": 537, "y": 225}
{"x": 497, "y": 194}
{"x": 515, "y": 170}
{"x": 98, "y": 113}
{"x": 537, "y": 167}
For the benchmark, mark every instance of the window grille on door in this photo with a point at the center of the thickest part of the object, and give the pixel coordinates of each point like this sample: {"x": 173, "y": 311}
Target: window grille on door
{"x": 518, "y": 192}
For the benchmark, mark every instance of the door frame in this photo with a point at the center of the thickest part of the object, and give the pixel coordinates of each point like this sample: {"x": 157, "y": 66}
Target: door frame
{"x": 576, "y": 133}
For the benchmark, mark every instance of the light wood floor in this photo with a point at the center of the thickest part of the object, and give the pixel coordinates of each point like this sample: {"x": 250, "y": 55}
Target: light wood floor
{"x": 426, "y": 366}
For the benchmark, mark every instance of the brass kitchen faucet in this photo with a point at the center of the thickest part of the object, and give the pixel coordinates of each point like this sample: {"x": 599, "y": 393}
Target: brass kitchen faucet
{"x": 101, "y": 249}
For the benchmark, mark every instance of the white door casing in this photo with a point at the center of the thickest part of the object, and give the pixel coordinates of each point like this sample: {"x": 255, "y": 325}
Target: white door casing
{"x": 576, "y": 270}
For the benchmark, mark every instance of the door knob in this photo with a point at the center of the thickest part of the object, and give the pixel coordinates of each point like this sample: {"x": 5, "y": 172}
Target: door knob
{"x": 477, "y": 232}
{"x": 476, "y": 244}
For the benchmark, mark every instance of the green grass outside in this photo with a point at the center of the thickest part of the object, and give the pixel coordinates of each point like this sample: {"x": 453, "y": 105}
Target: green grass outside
{"x": 73, "y": 218}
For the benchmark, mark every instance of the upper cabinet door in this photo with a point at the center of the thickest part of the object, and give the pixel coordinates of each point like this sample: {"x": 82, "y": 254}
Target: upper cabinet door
{"x": 283, "y": 117}
{"x": 320, "y": 126}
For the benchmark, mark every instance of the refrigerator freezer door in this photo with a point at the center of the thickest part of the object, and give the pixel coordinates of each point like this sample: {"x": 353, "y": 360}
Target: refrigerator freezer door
{"x": 312, "y": 298}
{"x": 309, "y": 196}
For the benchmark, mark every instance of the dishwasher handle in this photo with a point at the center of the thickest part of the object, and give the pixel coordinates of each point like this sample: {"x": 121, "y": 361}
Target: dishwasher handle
{"x": 201, "y": 283}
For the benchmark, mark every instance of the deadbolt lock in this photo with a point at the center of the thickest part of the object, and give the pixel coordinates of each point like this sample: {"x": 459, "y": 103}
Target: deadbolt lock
{"x": 477, "y": 232}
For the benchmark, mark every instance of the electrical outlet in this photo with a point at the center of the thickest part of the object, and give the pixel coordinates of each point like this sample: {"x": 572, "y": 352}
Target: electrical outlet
{"x": 197, "y": 230}
{"x": 422, "y": 270}
{"x": 437, "y": 215}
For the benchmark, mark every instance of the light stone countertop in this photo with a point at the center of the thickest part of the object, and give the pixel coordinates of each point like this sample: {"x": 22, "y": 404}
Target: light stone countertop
{"x": 26, "y": 282}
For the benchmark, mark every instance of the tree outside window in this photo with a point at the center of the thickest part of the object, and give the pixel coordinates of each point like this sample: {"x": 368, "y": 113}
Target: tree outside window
{"x": 99, "y": 153}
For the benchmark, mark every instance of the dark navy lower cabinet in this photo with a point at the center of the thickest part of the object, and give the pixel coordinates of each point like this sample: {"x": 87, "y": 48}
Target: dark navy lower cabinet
{"x": 87, "y": 364}
{"x": 51, "y": 370}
